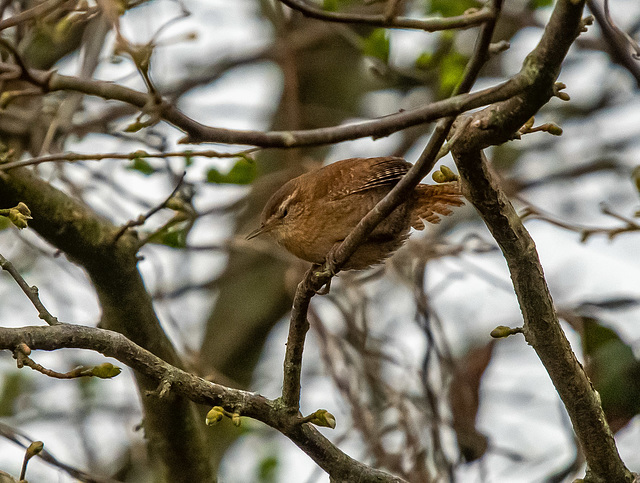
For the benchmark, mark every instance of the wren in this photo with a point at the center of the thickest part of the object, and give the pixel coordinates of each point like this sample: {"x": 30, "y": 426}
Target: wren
{"x": 312, "y": 214}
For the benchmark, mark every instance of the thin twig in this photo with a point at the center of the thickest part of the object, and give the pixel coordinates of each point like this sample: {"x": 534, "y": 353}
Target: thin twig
{"x": 385, "y": 20}
{"x": 143, "y": 218}
{"x": 30, "y": 291}
{"x": 140, "y": 154}
{"x": 534, "y": 213}
{"x": 40, "y": 9}
{"x": 24, "y": 73}
{"x": 24, "y": 442}
{"x": 21, "y": 355}
{"x": 616, "y": 40}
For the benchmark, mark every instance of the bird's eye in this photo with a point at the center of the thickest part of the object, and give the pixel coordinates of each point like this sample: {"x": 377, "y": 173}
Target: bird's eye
{"x": 282, "y": 211}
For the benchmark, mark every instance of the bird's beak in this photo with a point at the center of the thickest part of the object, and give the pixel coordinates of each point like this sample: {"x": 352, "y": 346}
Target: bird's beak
{"x": 257, "y": 232}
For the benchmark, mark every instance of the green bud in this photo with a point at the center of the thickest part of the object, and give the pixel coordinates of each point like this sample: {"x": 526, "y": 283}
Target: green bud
{"x": 529, "y": 124}
{"x": 438, "y": 177}
{"x": 323, "y": 418}
{"x": 34, "y": 448}
{"x": 105, "y": 371}
{"x": 18, "y": 215}
{"x": 635, "y": 175}
{"x": 444, "y": 175}
{"x": 5, "y": 98}
{"x": 501, "y": 332}
{"x": 135, "y": 126}
{"x": 554, "y": 129}
{"x": 214, "y": 416}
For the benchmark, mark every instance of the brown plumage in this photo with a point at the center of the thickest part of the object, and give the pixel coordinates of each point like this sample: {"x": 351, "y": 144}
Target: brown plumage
{"x": 313, "y": 213}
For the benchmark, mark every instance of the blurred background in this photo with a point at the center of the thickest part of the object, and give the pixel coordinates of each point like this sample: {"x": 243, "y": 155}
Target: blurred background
{"x": 400, "y": 354}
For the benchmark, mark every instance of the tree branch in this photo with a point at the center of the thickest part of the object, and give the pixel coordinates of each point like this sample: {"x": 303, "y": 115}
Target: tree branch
{"x": 499, "y": 122}
{"x": 38, "y": 10}
{"x": 199, "y": 133}
{"x": 429, "y": 24}
{"x": 139, "y": 154}
{"x": 314, "y": 280}
{"x": 113, "y": 344}
{"x": 31, "y": 291}
{"x": 618, "y": 45}
{"x": 87, "y": 239}
{"x": 541, "y": 327}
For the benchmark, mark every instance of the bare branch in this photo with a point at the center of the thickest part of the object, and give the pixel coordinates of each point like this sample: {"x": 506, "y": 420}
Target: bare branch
{"x": 37, "y": 11}
{"x": 140, "y": 154}
{"x": 465, "y": 21}
{"x": 30, "y": 291}
{"x": 199, "y": 133}
{"x": 24, "y": 441}
{"x": 541, "y": 327}
{"x": 141, "y": 220}
{"x": 534, "y": 213}
{"x": 618, "y": 41}
{"x": 113, "y": 344}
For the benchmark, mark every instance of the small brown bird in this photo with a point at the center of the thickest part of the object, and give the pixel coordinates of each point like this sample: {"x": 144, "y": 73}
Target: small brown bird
{"x": 312, "y": 214}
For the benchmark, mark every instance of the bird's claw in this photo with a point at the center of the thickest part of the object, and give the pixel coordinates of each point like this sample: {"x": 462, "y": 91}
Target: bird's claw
{"x": 324, "y": 272}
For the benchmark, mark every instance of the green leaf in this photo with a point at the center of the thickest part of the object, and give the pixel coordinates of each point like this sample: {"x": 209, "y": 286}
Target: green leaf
{"x": 135, "y": 126}
{"x": 243, "y": 172}
{"x": 533, "y": 4}
{"x": 451, "y": 70}
{"x": 330, "y": 5}
{"x": 188, "y": 158}
{"x": 424, "y": 61}
{"x": 614, "y": 371}
{"x": 268, "y": 469}
{"x": 335, "y": 5}
{"x": 597, "y": 336}
{"x": 377, "y": 45}
{"x": 451, "y": 8}
{"x": 174, "y": 238}
{"x": 142, "y": 165}
{"x": 4, "y": 223}
{"x": 14, "y": 386}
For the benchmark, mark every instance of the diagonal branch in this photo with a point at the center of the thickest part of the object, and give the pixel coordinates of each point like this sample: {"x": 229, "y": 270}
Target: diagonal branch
{"x": 31, "y": 291}
{"x": 313, "y": 281}
{"x": 39, "y": 10}
{"x": 617, "y": 41}
{"x": 541, "y": 327}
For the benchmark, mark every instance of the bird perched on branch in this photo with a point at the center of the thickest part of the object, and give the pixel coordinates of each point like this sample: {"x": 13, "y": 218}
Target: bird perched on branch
{"x": 312, "y": 214}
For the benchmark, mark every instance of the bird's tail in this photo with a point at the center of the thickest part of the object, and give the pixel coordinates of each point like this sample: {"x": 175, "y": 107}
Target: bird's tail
{"x": 435, "y": 200}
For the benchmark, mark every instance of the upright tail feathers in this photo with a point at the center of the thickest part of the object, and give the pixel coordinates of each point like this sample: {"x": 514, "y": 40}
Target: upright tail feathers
{"x": 435, "y": 200}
